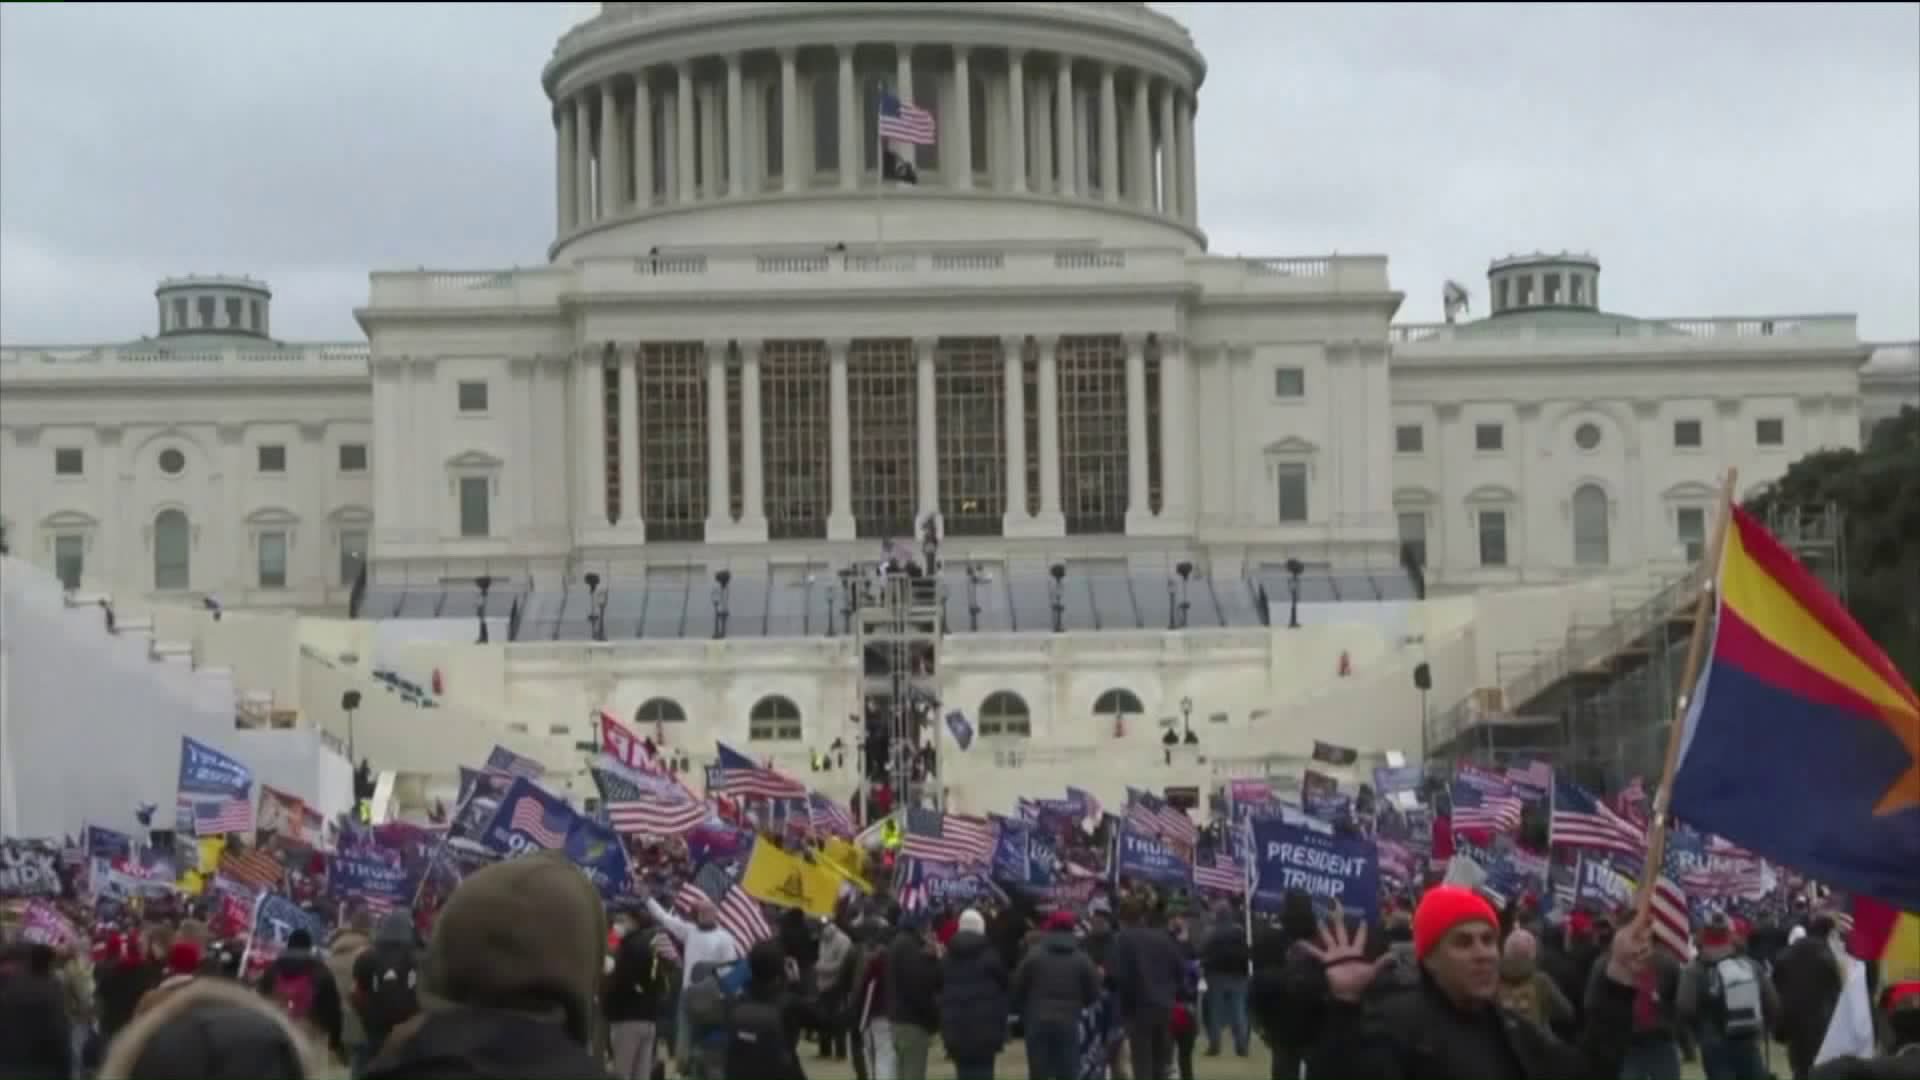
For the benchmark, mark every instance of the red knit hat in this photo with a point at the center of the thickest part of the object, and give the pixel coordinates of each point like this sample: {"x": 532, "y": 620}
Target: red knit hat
{"x": 183, "y": 958}
{"x": 1443, "y": 908}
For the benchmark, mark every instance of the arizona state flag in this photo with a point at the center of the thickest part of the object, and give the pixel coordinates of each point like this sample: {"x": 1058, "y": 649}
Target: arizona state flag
{"x": 783, "y": 880}
{"x": 1802, "y": 742}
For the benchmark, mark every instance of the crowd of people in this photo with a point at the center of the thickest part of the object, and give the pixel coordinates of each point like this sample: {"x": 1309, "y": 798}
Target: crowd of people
{"x": 527, "y": 973}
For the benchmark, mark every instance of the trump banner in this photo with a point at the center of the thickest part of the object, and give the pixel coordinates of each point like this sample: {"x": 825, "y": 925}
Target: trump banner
{"x": 1148, "y": 858}
{"x": 1309, "y": 856}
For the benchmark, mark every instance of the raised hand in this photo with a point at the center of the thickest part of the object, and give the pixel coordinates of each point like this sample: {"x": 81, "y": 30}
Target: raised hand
{"x": 1344, "y": 956}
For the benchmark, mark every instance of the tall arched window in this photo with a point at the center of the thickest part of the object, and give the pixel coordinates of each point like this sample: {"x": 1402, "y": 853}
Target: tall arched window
{"x": 1118, "y": 702}
{"x": 660, "y": 711}
{"x": 172, "y": 551}
{"x": 1590, "y": 514}
{"x": 774, "y": 719}
{"x": 1005, "y": 713}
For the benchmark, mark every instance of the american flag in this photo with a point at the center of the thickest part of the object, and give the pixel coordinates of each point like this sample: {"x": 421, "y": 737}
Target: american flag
{"x": 903, "y": 121}
{"x": 1482, "y": 800}
{"x": 952, "y": 838}
{"x": 1225, "y": 875}
{"x": 253, "y": 868}
{"x": 218, "y": 817}
{"x": 912, "y": 894}
{"x": 828, "y": 816}
{"x": 1582, "y": 821}
{"x": 1150, "y": 814}
{"x": 636, "y": 811}
{"x": 545, "y": 828}
{"x": 1671, "y": 921}
{"x": 738, "y": 913}
{"x": 1535, "y": 775}
{"x": 739, "y": 776}
{"x": 1089, "y": 803}
{"x": 503, "y": 760}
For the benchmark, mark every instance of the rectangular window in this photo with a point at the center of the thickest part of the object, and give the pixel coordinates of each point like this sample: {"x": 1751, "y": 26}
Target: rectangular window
{"x": 1293, "y": 493}
{"x": 475, "y": 506}
{"x": 353, "y": 554}
{"x": 273, "y": 459}
{"x": 1289, "y": 382}
{"x": 353, "y": 457}
{"x": 69, "y": 461}
{"x": 1686, "y": 434}
{"x": 1413, "y": 535}
{"x": 273, "y": 560}
{"x": 1690, "y": 528}
{"x": 1493, "y": 537}
{"x": 1489, "y": 438}
{"x": 1409, "y": 439}
{"x": 1770, "y": 431}
{"x": 70, "y": 559}
{"x": 473, "y": 397}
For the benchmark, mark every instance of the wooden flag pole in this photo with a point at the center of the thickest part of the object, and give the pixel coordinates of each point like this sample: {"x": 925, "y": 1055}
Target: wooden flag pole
{"x": 1690, "y": 674}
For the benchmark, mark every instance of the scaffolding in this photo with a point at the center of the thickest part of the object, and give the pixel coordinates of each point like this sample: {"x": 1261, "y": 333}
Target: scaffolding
{"x": 898, "y": 623}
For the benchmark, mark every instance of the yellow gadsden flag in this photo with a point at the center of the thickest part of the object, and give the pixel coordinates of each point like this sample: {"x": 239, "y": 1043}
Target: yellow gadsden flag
{"x": 845, "y": 860}
{"x": 784, "y": 880}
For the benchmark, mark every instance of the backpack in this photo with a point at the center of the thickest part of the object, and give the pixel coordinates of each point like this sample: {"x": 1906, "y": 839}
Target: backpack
{"x": 707, "y": 996}
{"x": 757, "y": 1043}
{"x": 1733, "y": 994}
{"x": 390, "y": 999}
{"x": 294, "y": 992}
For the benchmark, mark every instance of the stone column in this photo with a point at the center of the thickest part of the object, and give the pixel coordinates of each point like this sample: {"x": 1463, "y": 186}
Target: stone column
{"x": 1013, "y": 351}
{"x": 790, "y": 156}
{"x": 840, "y": 512}
{"x": 753, "y": 503}
{"x": 712, "y": 185}
{"x": 1109, "y": 138}
{"x": 1063, "y": 127}
{"x": 683, "y": 138}
{"x": 594, "y": 416}
{"x": 1041, "y": 116}
{"x": 736, "y": 129}
{"x": 927, "y": 455}
{"x": 630, "y": 441}
{"x": 1049, "y": 389}
{"x": 564, "y": 117}
{"x": 1139, "y": 507}
{"x": 1189, "y": 180}
{"x": 1016, "y": 147}
{"x": 609, "y": 203}
{"x": 903, "y": 89}
{"x": 1169, "y": 157}
{"x": 719, "y": 513}
{"x": 1175, "y": 474}
{"x": 852, "y": 132}
{"x": 960, "y": 161}
{"x": 583, "y": 160}
{"x": 1140, "y": 164}
{"x": 642, "y": 141}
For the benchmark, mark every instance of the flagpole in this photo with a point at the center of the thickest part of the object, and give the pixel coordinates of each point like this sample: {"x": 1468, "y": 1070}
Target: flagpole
{"x": 1690, "y": 674}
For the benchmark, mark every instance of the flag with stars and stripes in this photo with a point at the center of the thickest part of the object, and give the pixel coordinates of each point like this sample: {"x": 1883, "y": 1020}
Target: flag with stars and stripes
{"x": 738, "y": 914}
{"x": 738, "y": 776}
{"x": 1484, "y": 800}
{"x": 1582, "y": 821}
{"x": 951, "y": 838}
{"x": 635, "y": 811}
{"x": 503, "y": 760}
{"x": 1154, "y": 816}
{"x": 828, "y": 816}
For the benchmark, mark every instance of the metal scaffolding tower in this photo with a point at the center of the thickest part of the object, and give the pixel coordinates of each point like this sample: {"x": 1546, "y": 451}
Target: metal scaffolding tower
{"x": 898, "y": 623}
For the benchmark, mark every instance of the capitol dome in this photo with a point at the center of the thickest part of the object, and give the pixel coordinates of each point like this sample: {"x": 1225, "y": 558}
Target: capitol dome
{"x": 693, "y": 124}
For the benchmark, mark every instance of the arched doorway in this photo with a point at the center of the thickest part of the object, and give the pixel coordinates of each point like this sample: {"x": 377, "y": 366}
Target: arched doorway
{"x": 172, "y": 551}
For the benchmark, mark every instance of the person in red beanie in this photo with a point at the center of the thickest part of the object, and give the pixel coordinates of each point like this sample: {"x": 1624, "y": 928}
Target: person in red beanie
{"x": 1449, "y": 1025}
{"x": 183, "y": 966}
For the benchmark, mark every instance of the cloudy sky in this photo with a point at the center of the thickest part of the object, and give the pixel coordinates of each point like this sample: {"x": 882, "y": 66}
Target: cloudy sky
{"x": 1718, "y": 160}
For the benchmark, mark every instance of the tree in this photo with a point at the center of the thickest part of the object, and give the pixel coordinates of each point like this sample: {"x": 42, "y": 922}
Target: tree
{"x": 1878, "y": 492}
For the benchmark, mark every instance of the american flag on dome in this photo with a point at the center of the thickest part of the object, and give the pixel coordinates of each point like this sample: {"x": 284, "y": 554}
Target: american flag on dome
{"x": 547, "y": 828}
{"x": 737, "y": 775}
{"x": 828, "y": 816}
{"x": 1483, "y": 800}
{"x": 903, "y": 121}
{"x": 1582, "y": 821}
{"x": 1150, "y": 814}
{"x": 951, "y": 838}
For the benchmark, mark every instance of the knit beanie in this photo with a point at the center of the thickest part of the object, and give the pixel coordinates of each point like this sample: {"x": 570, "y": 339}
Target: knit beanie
{"x": 1443, "y": 908}
{"x": 183, "y": 958}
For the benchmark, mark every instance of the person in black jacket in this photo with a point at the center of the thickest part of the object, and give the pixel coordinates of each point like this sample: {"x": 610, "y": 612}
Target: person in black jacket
{"x": 1148, "y": 969}
{"x": 1054, "y": 983}
{"x": 1224, "y": 960}
{"x": 913, "y": 1000}
{"x": 1451, "y": 1026}
{"x": 633, "y": 992}
{"x": 973, "y": 1000}
{"x": 1287, "y": 995}
{"x": 35, "y": 1038}
{"x": 386, "y": 981}
{"x": 1808, "y": 977}
{"x": 321, "y": 1009}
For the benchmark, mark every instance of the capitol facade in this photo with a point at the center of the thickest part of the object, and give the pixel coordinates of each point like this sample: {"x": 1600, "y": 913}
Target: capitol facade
{"x": 768, "y": 340}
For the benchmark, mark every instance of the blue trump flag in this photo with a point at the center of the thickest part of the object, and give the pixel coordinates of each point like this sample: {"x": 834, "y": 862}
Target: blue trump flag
{"x": 1310, "y": 856}
{"x": 1147, "y": 858}
{"x": 206, "y": 771}
{"x": 366, "y": 875}
{"x": 531, "y": 819}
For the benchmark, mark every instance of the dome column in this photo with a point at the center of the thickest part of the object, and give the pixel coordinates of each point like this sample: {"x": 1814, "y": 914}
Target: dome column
{"x": 1109, "y": 138}
{"x": 1140, "y": 162}
{"x": 1189, "y": 193}
{"x": 683, "y": 135}
{"x": 960, "y": 158}
{"x": 790, "y": 167}
{"x": 1063, "y": 130}
{"x": 609, "y": 186}
{"x": 563, "y": 117}
{"x": 642, "y": 141}
{"x": 582, "y": 160}
{"x": 1169, "y": 157}
{"x": 851, "y": 133}
{"x": 1017, "y": 140}
{"x": 736, "y": 124}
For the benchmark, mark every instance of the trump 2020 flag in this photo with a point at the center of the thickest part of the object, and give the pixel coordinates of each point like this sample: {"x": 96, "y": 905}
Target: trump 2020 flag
{"x": 215, "y": 792}
{"x": 1802, "y": 742}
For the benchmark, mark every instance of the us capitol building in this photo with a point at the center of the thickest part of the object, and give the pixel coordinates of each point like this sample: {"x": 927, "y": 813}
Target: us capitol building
{"x": 766, "y": 344}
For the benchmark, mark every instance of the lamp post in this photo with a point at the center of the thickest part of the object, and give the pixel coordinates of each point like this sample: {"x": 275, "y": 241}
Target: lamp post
{"x": 596, "y": 611}
{"x": 721, "y": 579}
{"x": 349, "y": 704}
{"x": 1186, "y": 723}
{"x": 483, "y": 583}
{"x": 1294, "y": 569}
{"x": 1058, "y": 589}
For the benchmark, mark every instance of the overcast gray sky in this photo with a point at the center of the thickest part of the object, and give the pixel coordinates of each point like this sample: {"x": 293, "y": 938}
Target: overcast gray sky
{"x": 1718, "y": 160}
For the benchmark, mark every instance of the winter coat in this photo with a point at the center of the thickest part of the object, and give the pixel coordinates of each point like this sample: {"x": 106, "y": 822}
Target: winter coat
{"x": 913, "y": 982}
{"x": 973, "y": 999}
{"x": 1054, "y": 981}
